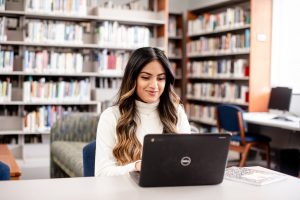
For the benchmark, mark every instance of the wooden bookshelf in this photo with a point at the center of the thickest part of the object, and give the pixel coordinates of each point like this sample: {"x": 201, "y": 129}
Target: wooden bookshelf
{"x": 18, "y": 39}
{"x": 207, "y": 65}
{"x": 203, "y": 121}
{"x": 216, "y": 101}
{"x": 176, "y": 49}
{"x": 95, "y": 103}
{"x": 223, "y": 30}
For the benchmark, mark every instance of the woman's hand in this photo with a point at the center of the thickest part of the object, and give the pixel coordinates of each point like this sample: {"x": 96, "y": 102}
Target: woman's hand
{"x": 138, "y": 165}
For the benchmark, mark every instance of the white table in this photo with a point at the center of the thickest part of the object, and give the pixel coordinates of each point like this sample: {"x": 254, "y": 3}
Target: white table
{"x": 123, "y": 187}
{"x": 266, "y": 119}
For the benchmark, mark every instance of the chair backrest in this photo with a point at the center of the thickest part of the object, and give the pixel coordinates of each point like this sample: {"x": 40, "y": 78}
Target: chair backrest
{"x": 89, "y": 159}
{"x": 227, "y": 117}
{"x": 4, "y": 172}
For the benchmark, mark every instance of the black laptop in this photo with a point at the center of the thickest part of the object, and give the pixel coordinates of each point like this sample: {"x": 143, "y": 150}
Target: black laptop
{"x": 182, "y": 159}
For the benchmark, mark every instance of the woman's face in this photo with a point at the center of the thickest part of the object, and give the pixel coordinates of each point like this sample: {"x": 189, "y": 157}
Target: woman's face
{"x": 151, "y": 82}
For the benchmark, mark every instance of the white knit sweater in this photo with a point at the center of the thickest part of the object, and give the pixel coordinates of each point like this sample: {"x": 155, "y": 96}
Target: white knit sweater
{"x": 105, "y": 164}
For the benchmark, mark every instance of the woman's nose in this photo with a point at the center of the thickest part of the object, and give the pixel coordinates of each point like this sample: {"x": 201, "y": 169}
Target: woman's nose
{"x": 153, "y": 83}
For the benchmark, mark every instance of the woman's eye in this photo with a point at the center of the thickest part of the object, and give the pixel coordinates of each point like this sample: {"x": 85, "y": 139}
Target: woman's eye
{"x": 161, "y": 78}
{"x": 145, "y": 77}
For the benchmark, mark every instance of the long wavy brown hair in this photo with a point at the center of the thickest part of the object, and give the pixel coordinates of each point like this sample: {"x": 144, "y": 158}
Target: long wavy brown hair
{"x": 128, "y": 147}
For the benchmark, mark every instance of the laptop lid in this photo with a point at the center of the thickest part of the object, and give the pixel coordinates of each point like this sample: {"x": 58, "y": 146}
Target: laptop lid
{"x": 183, "y": 159}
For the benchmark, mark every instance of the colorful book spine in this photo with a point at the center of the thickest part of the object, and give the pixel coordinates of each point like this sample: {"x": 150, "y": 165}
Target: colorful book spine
{"x": 116, "y": 35}
{"x": 224, "y": 68}
{"x": 42, "y": 118}
{"x": 229, "y": 43}
{"x": 3, "y": 36}
{"x": 49, "y": 91}
{"x": 201, "y": 113}
{"x": 2, "y": 5}
{"x": 5, "y": 90}
{"x": 65, "y": 7}
{"x": 224, "y": 92}
{"x": 112, "y": 61}
{"x": 54, "y": 31}
{"x": 229, "y": 18}
{"x": 52, "y": 62}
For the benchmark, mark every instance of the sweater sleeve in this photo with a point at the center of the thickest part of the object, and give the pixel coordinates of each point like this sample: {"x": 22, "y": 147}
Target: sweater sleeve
{"x": 183, "y": 124}
{"x": 105, "y": 163}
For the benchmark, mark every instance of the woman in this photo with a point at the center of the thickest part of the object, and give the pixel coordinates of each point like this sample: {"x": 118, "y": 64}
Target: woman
{"x": 146, "y": 104}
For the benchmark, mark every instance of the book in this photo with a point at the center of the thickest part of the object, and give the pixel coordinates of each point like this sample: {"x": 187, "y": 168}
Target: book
{"x": 254, "y": 176}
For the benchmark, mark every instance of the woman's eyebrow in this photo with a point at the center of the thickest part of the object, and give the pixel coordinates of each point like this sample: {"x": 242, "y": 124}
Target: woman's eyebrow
{"x": 152, "y": 74}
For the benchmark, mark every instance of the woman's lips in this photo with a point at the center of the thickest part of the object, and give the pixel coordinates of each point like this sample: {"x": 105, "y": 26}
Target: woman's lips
{"x": 152, "y": 93}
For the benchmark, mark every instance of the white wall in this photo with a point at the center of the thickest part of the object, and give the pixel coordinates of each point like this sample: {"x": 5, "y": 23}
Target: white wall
{"x": 285, "y": 68}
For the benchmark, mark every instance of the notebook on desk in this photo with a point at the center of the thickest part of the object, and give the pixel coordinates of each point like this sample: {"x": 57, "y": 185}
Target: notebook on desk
{"x": 183, "y": 159}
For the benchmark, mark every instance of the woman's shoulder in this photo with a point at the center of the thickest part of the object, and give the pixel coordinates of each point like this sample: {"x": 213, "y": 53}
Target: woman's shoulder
{"x": 180, "y": 108}
{"x": 111, "y": 112}
{"x": 181, "y": 111}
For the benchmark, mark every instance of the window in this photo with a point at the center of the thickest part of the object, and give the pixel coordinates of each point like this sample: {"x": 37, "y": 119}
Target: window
{"x": 285, "y": 70}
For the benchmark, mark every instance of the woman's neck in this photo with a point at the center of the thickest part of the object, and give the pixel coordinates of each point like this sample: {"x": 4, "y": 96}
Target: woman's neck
{"x": 146, "y": 108}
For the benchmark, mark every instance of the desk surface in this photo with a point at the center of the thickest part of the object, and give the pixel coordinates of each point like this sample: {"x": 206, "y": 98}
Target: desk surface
{"x": 123, "y": 187}
{"x": 266, "y": 119}
{"x": 7, "y": 157}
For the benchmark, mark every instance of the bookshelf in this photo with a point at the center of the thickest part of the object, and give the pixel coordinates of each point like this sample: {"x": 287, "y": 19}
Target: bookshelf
{"x": 226, "y": 61}
{"x": 62, "y": 58}
{"x": 175, "y": 49}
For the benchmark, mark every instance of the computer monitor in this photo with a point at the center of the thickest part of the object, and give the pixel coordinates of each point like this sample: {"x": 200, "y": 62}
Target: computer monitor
{"x": 280, "y": 98}
{"x": 295, "y": 105}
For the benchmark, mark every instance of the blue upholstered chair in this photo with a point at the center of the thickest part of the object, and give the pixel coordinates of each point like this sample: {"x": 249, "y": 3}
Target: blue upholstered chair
{"x": 230, "y": 118}
{"x": 89, "y": 151}
{"x": 4, "y": 172}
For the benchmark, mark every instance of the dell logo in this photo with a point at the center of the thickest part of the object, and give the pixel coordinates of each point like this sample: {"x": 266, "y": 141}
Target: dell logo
{"x": 186, "y": 161}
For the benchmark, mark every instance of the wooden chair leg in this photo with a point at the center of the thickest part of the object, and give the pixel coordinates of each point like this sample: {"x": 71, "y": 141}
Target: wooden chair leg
{"x": 245, "y": 155}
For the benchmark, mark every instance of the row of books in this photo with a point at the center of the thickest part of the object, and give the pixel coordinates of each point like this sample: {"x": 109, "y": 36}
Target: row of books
{"x": 53, "y": 31}
{"x": 131, "y": 5}
{"x": 202, "y": 113}
{"x": 230, "y": 18}
{"x": 112, "y": 60}
{"x": 52, "y": 62}
{"x": 73, "y": 7}
{"x": 56, "y": 91}
{"x": 225, "y": 68}
{"x": 3, "y": 36}
{"x": 6, "y": 61}
{"x": 176, "y": 69}
{"x": 173, "y": 50}
{"x": 173, "y": 28}
{"x": 44, "y": 117}
{"x": 110, "y": 83}
{"x": 199, "y": 128}
{"x": 225, "y": 43}
{"x": 224, "y": 92}
{"x": 114, "y": 34}
{"x": 5, "y": 90}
